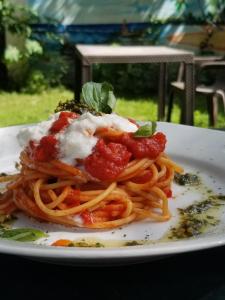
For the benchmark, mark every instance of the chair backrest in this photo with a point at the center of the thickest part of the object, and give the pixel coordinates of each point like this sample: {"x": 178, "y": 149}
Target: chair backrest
{"x": 204, "y": 65}
{"x": 212, "y": 74}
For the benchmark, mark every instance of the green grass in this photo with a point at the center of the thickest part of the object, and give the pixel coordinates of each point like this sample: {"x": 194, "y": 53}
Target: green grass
{"x": 18, "y": 108}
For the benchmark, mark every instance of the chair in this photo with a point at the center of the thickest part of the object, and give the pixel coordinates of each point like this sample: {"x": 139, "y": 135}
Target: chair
{"x": 210, "y": 82}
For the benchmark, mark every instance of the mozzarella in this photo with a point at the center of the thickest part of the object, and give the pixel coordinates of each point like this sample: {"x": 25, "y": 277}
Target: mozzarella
{"x": 77, "y": 140}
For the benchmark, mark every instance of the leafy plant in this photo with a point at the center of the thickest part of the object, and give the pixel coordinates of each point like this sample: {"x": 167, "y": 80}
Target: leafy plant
{"x": 38, "y": 67}
{"x": 35, "y": 82}
{"x": 42, "y": 72}
{"x": 14, "y": 19}
{"x": 132, "y": 79}
{"x": 209, "y": 12}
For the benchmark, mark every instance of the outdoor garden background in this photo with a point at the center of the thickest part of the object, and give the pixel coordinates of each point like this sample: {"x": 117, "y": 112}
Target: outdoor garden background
{"x": 37, "y": 39}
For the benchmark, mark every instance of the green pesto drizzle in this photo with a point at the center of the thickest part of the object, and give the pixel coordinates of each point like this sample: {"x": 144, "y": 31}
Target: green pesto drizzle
{"x": 7, "y": 220}
{"x": 197, "y": 218}
{"x": 187, "y": 179}
{"x": 133, "y": 243}
{"x": 86, "y": 243}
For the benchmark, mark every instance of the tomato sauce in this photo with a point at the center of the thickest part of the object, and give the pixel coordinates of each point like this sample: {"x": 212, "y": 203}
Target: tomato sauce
{"x": 86, "y": 217}
{"x": 109, "y": 157}
{"x": 168, "y": 192}
{"x": 73, "y": 198}
{"x": 45, "y": 150}
{"x": 63, "y": 121}
{"x": 149, "y": 147}
{"x": 143, "y": 178}
{"x": 107, "y": 160}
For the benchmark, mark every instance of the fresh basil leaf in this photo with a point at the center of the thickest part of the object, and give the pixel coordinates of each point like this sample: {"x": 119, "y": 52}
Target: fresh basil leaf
{"x": 98, "y": 96}
{"x": 146, "y": 130}
{"x": 22, "y": 234}
{"x": 111, "y": 100}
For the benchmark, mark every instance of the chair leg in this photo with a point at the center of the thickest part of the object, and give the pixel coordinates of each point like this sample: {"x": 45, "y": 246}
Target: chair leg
{"x": 213, "y": 109}
{"x": 221, "y": 93}
{"x": 223, "y": 99}
{"x": 170, "y": 106}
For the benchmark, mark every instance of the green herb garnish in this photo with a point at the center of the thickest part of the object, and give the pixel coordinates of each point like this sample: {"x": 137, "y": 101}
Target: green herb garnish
{"x": 22, "y": 234}
{"x": 197, "y": 218}
{"x": 146, "y": 130}
{"x": 133, "y": 243}
{"x": 88, "y": 244}
{"x": 96, "y": 98}
{"x": 186, "y": 179}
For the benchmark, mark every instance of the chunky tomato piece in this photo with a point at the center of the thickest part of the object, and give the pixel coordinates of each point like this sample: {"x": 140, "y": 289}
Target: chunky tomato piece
{"x": 107, "y": 160}
{"x": 143, "y": 178}
{"x": 68, "y": 114}
{"x": 114, "y": 152}
{"x": 46, "y": 150}
{"x": 63, "y": 121}
{"x": 149, "y": 147}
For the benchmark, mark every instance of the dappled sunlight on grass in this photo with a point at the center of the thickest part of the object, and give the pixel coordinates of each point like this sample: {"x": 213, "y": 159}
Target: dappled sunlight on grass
{"x": 139, "y": 109}
{"x": 201, "y": 113}
{"x": 18, "y": 108}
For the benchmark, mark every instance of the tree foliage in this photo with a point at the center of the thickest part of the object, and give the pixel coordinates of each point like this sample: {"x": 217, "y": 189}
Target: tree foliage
{"x": 32, "y": 67}
{"x": 206, "y": 12}
{"x": 15, "y": 19}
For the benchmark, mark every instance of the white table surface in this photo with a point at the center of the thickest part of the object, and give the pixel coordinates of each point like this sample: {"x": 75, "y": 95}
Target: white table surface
{"x": 128, "y": 51}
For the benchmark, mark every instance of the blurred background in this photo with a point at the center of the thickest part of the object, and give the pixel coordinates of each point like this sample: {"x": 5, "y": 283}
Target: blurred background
{"x": 37, "y": 39}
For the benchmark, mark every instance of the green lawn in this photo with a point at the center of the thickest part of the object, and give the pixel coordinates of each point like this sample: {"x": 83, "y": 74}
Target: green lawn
{"x": 18, "y": 108}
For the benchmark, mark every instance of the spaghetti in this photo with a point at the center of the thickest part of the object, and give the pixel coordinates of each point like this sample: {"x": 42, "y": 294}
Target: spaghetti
{"x": 125, "y": 188}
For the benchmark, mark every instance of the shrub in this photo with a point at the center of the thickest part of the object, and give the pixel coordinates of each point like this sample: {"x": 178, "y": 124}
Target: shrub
{"x": 132, "y": 79}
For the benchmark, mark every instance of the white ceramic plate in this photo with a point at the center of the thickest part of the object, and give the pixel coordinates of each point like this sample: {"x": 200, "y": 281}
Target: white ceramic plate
{"x": 197, "y": 150}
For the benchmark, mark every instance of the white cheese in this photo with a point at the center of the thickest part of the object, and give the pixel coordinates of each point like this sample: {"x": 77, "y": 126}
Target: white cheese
{"x": 35, "y": 133}
{"x": 78, "y": 219}
{"x": 77, "y": 140}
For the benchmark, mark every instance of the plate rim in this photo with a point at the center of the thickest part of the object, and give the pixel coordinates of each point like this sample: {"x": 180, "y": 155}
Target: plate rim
{"x": 119, "y": 253}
